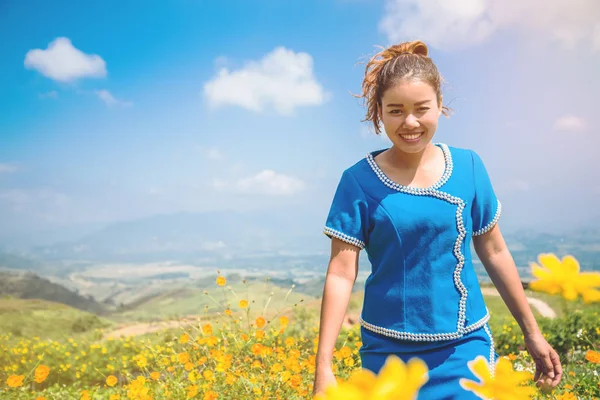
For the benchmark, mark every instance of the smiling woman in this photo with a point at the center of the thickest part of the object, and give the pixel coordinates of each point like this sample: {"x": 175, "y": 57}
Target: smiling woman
{"x": 415, "y": 208}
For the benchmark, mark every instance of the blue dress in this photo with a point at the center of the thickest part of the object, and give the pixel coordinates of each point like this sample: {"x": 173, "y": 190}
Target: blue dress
{"x": 422, "y": 297}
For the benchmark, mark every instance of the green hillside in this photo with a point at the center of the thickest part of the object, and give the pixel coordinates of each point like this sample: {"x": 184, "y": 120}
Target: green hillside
{"x": 27, "y": 285}
{"x": 33, "y": 317}
{"x": 192, "y": 301}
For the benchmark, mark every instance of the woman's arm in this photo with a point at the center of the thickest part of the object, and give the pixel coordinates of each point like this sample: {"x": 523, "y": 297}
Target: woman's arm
{"x": 500, "y": 266}
{"x": 341, "y": 275}
{"x": 497, "y": 260}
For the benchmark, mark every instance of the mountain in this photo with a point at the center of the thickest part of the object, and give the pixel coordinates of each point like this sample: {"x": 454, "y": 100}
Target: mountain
{"x": 18, "y": 261}
{"x": 187, "y": 236}
{"x": 28, "y": 285}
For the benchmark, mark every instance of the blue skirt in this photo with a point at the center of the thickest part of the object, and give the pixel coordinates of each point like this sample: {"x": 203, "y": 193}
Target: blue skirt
{"x": 447, "y": 360}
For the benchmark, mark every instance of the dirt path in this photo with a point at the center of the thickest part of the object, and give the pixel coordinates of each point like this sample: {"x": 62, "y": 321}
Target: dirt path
{"x": 541, "y": 306}
{"x": 147, "y": 327}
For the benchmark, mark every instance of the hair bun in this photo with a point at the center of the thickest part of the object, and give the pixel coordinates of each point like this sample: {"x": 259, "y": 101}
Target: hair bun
{"x": 415, "y": 47}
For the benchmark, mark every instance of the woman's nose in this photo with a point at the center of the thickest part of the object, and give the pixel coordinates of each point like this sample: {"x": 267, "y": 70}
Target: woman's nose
{"x": 410, "y": 121}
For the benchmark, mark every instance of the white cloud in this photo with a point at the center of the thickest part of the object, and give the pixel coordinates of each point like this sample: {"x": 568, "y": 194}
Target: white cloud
{"x": 570, "y": 123}
{"x": 266, "y": 182}
{"x": 7, "y": 168}
{"x": 110, "y": 100}
{"x": 211, "y": 153}
{"x": 53, "y": 94}
{"x": 446, "y": 25}
{"x": 61, "y": 61}
{"x": 282, "y": 80}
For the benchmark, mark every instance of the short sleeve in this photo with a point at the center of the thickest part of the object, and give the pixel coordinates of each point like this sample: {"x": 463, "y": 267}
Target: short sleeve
{"x": 347, "y": 214}
{"x": 486, "y": 208}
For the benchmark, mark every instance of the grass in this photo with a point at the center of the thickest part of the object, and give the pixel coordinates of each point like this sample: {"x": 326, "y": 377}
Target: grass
{"x": 191, "y": 301}
{"x": 32, "y": 317}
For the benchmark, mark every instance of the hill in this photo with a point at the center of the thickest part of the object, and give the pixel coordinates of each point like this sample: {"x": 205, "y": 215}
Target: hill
{"x": 28, "y": 285}
{"x": 33, "y": 317}
{"x": 188, "y": 301}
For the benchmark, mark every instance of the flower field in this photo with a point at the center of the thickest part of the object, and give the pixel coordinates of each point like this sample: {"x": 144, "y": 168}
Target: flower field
{"x": 241, "y": 350}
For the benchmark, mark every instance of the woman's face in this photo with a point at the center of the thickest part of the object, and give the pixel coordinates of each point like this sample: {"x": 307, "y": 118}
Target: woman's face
{"x": 410, "y": 113}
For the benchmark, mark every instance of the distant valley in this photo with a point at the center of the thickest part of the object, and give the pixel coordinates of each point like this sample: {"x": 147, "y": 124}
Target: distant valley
{"x": 158, "y": 262}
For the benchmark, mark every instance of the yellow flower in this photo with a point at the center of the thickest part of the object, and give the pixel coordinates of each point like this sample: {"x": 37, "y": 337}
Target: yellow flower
{"x": 260, "y": 322}
{"x": 221, "y": 281}
{"x": 208, "y": 375}
{"x": 228, "y": 312}
{"x": 15, "y": 380}
{"x": 210, "y": 395}
{"x": 563, "y": 277}
{"x": 243, "y": 303}
{"x": 566, "y": 396}
{"x": 155, "y": 375}
{"x": 212, "y": 341}
{"x": 111, "y": 380}
{"x": 504, "y": 385}
{"x": 283, "y": 321}
{"x": 41, "y": 373}
{"x": 40, "y": 398}
{"x": 85, "y": 395}
{"x": 192, "y": 391}
{"x": 115, "y": 396}
{"x": 593, "y": 356}
{"x": 345, "y": 352}
{"x": 184, "y": 358}
{"x": 396, "y": 380}
{"x": 207, "y": 329}
{"x": 193, "y": 376}
{"x": 184, "y": 338}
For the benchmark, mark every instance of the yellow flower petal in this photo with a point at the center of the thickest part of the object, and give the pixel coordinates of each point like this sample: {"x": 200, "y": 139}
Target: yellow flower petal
{"x": 570, "y": 265}
{"x": 391, "y": 377}
{"x": 480, "y": 368}
{"x": 545, "y": 286}
{"x": 551, "y": 262}
{"x": 363, "y": 379}
{"x": 540, "y": 272}
{"x": 591, "y": 296}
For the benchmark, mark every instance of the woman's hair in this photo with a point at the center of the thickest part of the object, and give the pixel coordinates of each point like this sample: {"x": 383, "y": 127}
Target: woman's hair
{"x": 407, "y": 60}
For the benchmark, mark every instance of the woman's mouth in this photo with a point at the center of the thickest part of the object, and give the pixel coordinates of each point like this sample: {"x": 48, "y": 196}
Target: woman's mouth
{"x": 411, "y": 137}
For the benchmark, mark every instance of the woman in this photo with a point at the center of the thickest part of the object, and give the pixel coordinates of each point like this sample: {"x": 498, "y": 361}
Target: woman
{"x": 415, "y": 208}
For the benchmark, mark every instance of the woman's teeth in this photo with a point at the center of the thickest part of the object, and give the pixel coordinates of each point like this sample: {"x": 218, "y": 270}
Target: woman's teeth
{"x": 412, "y": 136}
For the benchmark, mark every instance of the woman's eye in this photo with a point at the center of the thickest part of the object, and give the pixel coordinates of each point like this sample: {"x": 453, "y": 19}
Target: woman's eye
{"x": 423, "y": 108}
{"x": 395, "y": 112}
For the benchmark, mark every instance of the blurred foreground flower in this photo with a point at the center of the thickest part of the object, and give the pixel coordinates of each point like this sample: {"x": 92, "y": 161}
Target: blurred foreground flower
{"x": 593, "y": 356}
{"x": 563, "y": 277}
{"x": 396, "y": 380}
{"x": 505, "y": 384}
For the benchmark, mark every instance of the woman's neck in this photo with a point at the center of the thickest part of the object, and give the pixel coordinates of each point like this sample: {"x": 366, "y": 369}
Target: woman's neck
{"x": 410, "y": 161}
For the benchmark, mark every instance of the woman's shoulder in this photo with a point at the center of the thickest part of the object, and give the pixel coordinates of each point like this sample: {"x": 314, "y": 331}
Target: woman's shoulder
{"x": 361, "y": 168}
{"x": 461, "y": 155}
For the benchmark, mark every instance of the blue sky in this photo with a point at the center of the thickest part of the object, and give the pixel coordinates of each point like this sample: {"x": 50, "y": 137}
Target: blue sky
{"x": 114, "y": 111}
